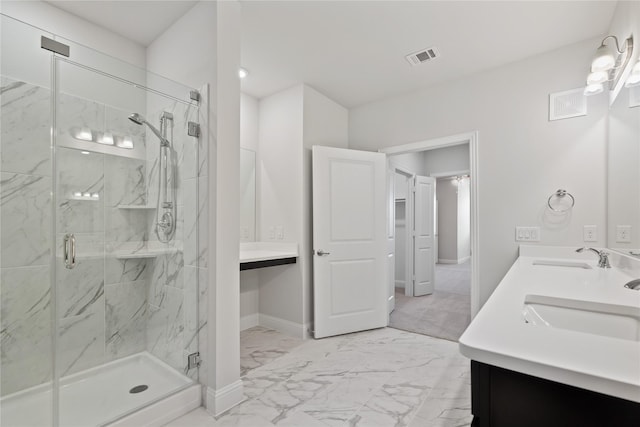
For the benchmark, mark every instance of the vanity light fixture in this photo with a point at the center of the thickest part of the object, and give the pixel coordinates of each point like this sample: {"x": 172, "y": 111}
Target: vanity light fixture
{"x": 106, "y": 139}
{"x": 242, "y": 73}
{"x": 84, "y": 134}
{"x": 634, "y": 77}
{"x": 124, "y": 142}
{"x": 607, "y": 64}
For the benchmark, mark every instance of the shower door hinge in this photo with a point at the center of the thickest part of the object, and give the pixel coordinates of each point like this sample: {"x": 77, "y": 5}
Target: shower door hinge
{"x": 195, "y": 96}
{"x": 54, "y": 46}
{"x": 194, "y": 360}
{"x": 193, "y": 129}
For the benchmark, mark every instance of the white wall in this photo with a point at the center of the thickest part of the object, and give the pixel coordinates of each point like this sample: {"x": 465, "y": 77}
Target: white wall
{"x": 447, "y": 196}
{"x": 448, "y": 159}
{"x": 280, "y": 134}
{"x": 411, "y": 162}
{"x": 523, "y": 157}
{"x": 290, "y": 123}
{"x": 464, "y": 220}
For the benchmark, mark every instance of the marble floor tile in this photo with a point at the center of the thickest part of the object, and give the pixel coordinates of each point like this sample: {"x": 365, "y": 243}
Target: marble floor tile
{"x": 385, "y": 377}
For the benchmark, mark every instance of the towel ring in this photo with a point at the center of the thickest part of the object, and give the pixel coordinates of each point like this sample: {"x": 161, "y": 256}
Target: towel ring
{"x": 561, "y": 194}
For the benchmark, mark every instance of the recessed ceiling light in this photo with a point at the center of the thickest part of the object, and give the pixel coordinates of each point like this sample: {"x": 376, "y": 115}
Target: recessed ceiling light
{"x": 242, "y": 73}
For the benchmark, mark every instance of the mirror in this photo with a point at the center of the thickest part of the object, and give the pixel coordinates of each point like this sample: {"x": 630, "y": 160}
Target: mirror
{"x": 247, "y": 195}
{"x": 624, "y": 173}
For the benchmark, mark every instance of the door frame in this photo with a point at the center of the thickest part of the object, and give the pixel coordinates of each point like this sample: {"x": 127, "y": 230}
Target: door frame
{"x": 409, "y": 227}
{"x": 470, "y": 138}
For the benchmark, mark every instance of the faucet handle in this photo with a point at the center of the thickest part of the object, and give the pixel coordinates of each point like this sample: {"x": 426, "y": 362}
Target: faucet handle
{"x": 603, "y": 262}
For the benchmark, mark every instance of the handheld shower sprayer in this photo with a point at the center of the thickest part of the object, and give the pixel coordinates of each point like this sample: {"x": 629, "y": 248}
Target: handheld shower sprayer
{"x": 166, "y": 219}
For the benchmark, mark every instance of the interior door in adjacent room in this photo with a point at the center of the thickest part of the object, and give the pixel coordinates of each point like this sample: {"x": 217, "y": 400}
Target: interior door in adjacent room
{"x": 424, "y": 230}
{"x": 349, "y": 240}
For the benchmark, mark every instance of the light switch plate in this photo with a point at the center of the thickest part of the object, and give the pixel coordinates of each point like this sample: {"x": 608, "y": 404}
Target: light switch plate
{"x": 623, "y": 234}
{"x": 527, "y": 234}
{"x": 590, "y": 233}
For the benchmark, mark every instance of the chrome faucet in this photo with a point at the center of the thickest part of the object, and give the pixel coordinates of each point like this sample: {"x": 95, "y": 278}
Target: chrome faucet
{"x": 603, "y": 261}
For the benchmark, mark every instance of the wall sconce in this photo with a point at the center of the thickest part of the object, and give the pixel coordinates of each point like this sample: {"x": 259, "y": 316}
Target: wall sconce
{"x": 607, "y": 64}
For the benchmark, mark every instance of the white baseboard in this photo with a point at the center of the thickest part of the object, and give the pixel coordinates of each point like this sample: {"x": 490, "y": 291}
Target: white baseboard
{"x": 221, "y": 400}
{"x": 164, "y": 411}
{"x": 287, "y": 327}
{"x": 400, "y": 284}
{"x": 249, "y": 321}
{"x": 463, "y": 260}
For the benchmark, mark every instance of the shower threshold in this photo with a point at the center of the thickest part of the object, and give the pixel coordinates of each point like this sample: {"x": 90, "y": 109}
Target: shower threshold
{"x": 97, "y": 396}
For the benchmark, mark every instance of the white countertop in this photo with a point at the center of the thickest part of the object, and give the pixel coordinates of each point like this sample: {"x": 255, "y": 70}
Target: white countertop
{"x": 499, "y": 336}
{"x": 264, "y": 251}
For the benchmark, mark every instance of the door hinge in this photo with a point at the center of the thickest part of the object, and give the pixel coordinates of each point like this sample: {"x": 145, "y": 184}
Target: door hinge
{"x": 195, "y": 96}
{"x": 193, "y": 129}
{"x": 54, "y": 46}
{"x": 193, "y": 360}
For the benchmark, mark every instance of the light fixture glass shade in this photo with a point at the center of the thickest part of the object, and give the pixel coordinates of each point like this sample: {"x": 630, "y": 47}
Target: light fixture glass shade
{"x": 604, "y": 60}
{"x": 633, "y": 79}
{"x": 593, "y": 89}
{"x": 597, "y": 77}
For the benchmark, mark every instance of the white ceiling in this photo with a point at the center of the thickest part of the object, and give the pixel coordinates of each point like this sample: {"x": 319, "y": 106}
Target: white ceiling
{"x": 140, "y": 21}
{"x": 353, "y": 51}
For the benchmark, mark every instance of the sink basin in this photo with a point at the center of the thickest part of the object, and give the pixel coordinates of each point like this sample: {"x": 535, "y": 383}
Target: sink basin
{"x": 616, "y": 321}
{"x": 573, "y": 264}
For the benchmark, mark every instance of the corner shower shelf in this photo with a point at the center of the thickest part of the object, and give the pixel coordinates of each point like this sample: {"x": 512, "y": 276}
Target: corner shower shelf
{"x": 135, "y": 207}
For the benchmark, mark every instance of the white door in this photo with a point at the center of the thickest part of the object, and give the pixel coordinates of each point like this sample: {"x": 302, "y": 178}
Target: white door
{"x": 391, "y": 238}
{"x": 349, "y": 240}
{"x": 424, "y": 241}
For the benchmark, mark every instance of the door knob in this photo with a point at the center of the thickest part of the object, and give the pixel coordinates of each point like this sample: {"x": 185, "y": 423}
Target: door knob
{"x": 322, "y": 253}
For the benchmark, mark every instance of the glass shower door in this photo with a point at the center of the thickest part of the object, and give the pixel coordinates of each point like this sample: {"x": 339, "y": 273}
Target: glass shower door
{"x": 125, "y": 184}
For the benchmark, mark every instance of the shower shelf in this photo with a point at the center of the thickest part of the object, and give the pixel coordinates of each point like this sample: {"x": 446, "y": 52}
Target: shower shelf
{"x": 135, "y": 207}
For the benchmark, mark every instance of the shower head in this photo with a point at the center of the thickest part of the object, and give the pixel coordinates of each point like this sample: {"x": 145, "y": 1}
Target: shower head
{"x": 138, "y": 119}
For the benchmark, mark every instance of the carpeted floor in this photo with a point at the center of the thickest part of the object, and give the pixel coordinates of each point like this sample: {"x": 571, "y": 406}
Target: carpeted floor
{"x": 444, "y": 314}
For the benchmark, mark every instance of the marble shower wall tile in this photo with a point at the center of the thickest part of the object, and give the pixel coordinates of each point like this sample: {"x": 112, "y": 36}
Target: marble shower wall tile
{"x": 166, "y": 271}
{"x": 124, "y": 226}
{"x": 81, "y": 288}
{"x": 125, "y": 270}
{"x": 73, "y": 113}
{"x": 165, "y": 328}
{"x": 126, "y": 317}
{"x": 82, "y": 173}
{"x": 125, "y": 181}
{"x": 25, "y": 204}
{"x": 25, "y": 328}
{"x": 81, "y": 340}
{"x": 25, "y": 128}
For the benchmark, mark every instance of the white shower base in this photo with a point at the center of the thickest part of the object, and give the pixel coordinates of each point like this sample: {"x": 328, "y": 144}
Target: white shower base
{"x": 100, "y": 396}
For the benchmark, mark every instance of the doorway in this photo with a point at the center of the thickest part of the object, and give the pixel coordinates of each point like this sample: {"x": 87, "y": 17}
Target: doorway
{"x": 446, "y": 310}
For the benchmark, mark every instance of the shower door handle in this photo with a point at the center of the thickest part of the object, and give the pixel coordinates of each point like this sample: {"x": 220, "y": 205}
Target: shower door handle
{"x": 69, "y": 249}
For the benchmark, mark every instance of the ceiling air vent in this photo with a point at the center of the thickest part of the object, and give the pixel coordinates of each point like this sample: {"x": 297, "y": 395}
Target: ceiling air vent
{"x": 422, "y": 56}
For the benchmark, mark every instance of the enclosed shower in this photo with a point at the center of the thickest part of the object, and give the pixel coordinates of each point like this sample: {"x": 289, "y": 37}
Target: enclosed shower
{"x": 102, "y": 273}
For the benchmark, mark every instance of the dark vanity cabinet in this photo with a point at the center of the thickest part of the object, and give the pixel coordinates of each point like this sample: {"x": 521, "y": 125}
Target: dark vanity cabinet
{"x": 504, "y": 398}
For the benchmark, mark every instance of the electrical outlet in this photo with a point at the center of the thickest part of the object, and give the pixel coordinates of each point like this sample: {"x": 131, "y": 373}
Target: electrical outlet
{"x": 590, "y": 233}
{"x": 272, "y": 233}
{"x": 244, "y": 232}
{"x": 527, "y": 234}
{"x": 280, "y": 232}
{"x": 623, "y": 234}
